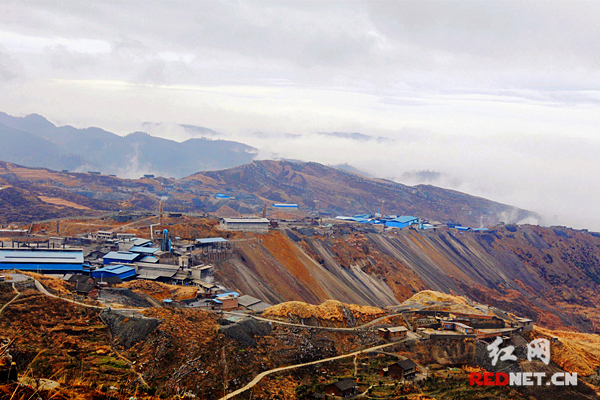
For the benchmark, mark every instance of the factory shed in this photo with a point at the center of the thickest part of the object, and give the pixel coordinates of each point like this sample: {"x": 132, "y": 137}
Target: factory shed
{"x": 125, "y": 257}
{"x": 221, "y": 196}
{"x": 280, "y": 205}
{"x": 143, "y": 250}
{"x": 141, "y": 242}
{"x": 402, "y": 222}
{"x": 247, "y": 301}
{"x": 210, "y": 240}
{"x": 156, "y": 272}
{"x": 42, "y": 260}
{"x": 258, "y": 225}
{"x": 149, "y": 259}
{"x": 120, "y": 271}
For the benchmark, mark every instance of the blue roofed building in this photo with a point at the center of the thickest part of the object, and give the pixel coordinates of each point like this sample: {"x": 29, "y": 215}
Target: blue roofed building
{"x": 125, "y": 257}
{"x": 121, "y": 271}
{"x": 143, "y": 250}
{"x": 282, "y": 205}
{"x": 42, "y": 260}
{"x": 402, "y": 222}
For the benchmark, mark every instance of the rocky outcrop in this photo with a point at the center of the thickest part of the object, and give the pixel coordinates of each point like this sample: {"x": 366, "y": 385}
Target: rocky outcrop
{"x": 245, "y": 331}
{"x": 126, "y": 330}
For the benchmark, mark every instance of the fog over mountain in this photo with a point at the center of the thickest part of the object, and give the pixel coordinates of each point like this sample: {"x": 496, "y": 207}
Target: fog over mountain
{"x": 36, "y": 142}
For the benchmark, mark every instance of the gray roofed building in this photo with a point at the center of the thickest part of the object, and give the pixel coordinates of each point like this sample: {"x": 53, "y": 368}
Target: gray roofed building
{"x": 247, "y": 301}
{"x": 259, "y": 307}
{"x": 258, "y": 225}
{"x": 141, "y": 242}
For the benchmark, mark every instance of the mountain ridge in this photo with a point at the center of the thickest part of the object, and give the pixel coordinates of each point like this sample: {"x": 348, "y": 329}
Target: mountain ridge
{"x": 40, "y": 143}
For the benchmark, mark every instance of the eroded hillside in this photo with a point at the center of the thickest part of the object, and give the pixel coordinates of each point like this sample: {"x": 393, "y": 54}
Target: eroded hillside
{"x": 548, "y": 274}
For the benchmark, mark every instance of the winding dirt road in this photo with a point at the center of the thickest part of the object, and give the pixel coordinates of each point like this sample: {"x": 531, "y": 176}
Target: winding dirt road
{"x": 272, "y": 371}
{"x": 328, "y": 328}
{"x": 11, "y": 300}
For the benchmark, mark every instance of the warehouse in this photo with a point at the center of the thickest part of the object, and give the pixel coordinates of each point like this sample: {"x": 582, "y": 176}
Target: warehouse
{"x": 258, "y": 225}
{"x": 402, "y": 222}
{"x": 42, "y": 260}
{"x": 143, "y": 250}
{"x": 124, "y": 257}
{"x": 120, "y": 271}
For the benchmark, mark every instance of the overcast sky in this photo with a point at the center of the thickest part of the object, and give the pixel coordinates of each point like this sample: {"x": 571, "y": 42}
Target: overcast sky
{"x": 502, "y": 98}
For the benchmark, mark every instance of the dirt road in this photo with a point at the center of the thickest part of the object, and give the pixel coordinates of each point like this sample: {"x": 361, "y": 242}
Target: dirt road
{"x": 272, "y": 371}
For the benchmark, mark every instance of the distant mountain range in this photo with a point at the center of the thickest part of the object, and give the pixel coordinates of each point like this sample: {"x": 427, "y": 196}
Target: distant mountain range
{"x": 34, "y": 141}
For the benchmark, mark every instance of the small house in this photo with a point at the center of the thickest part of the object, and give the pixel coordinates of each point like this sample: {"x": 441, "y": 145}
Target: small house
{"x": 524, "y": 323}
{"x": 393, "y": 333}
{"x": 466, "y": 329}
{"x": 344, "y": 388}
{"x": 227, "y": 300}
{"x": 447, "y": 325}
{"x": 405, "y": 369}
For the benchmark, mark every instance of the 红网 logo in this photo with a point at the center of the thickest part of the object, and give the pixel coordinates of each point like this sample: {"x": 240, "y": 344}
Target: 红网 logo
{"x": 538, "y": 348}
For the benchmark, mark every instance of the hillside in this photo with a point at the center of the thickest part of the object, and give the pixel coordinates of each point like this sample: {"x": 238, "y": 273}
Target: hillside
{"x": 335, "y": 192}
{"x": 547, "y": 274}
{"x": 317, "y": 189}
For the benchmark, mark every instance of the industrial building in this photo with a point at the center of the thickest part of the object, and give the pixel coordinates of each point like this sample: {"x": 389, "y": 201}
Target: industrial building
{"x": 226, "y": 300}
{"x": 143, "y": 250}
{"x": 124, "y": 257}
{"x": 105, "y": 235}
{"x": 209, "y": 242}
{"x": 42, "y": 260}
{"x": 121, "y": 271}
{"x": 258, "y": 225}
{"x": 402, "y": 222}
{"x": 393, "y": 333}
{"x": 283, "y": 205}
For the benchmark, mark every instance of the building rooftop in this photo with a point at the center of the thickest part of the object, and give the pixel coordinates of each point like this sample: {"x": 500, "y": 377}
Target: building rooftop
{"x": 143, "y": 250}
{"x": 345, "y": 384}
{"x": 211, "y": 240}
{"x": 404, "y": 219}
{"x": 248, "y": 301}
{"x": 149, "y": 259}
{"x": 41, "y": 256}
{"x": 246, "y": 220}
{"x": 397, "y": 329}
{"x": 122, "y": 255}
{"x": 115, "y": 269}
{"x": 462, "y": 325}
{"x": 141, "y": 242}
{"x": 407, "y": 364}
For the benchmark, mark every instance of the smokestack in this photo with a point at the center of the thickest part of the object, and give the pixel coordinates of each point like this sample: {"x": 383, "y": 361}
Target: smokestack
{"x": 264, "y": 211}
{"x": 160, "y": 212}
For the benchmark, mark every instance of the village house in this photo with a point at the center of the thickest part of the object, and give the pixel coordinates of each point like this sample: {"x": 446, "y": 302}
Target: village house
{"x": 344, "y": 388}
{"x": 393, "y": 333}
{"x": 405, "y": 369}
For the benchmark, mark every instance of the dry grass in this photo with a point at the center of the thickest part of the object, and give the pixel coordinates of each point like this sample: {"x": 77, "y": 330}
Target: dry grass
{"x": 448, "y": 302}
{"x": 54, "y": 284}
{"x": 161, "y": 291}
{"x": 574, "y": 352}
{"x": 331, "y": 311}
{"x": 62, "y": 202}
